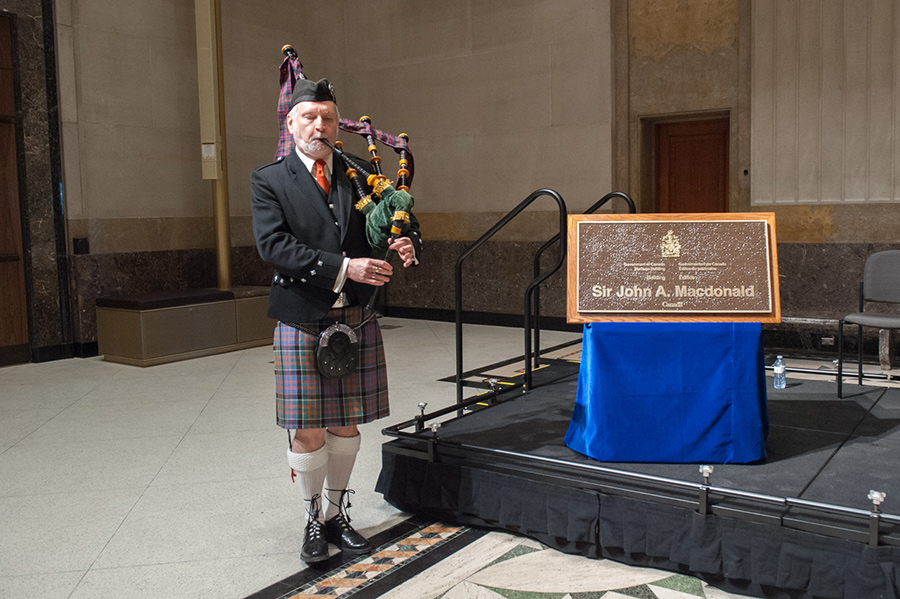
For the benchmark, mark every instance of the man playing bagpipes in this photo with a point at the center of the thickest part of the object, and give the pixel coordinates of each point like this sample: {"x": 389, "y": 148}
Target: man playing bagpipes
{"x": 329, "y": 360}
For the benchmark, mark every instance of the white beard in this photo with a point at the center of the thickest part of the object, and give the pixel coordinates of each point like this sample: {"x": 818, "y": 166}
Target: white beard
{"x": 314, "y": 149}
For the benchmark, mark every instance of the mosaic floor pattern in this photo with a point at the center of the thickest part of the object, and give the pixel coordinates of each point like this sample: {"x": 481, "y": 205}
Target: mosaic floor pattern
{"x": 448, "y": 562}
{"x": 362, "y": 572}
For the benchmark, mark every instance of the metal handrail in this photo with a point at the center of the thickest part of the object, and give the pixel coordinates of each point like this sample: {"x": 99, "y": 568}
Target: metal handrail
{"x": 537, "y": 268}
{"x": 563, "y": 213}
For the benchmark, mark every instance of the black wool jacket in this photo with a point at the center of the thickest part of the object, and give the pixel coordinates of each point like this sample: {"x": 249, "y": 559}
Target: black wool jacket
{"x": 305, "y": 236}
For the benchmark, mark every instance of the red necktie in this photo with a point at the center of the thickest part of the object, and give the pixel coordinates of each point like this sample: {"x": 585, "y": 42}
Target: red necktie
{"x": 321, "y": 179}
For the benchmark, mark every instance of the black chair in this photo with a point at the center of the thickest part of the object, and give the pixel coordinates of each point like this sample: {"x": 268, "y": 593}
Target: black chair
{"x": 881, "y": 283}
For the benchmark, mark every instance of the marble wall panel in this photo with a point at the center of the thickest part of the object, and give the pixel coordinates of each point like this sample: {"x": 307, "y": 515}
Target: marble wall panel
{"x": 38, "y": 159}
{"x": 315, "y": 29}
{"x": 825, "y": 81}
{"x": 516, "y": 169}
{"x": 171, "y": 20}
{"x": 833, "y": 223}
{"x": 173, "y": 98}
{"x": 62, "y": 12}
{"x": 580, "y": 83}
{"x": 822, "y": 278}
{"x": 247, "y": 268}
{"x": 659, "y": 26}
{"x": 445, "y": 168}
{"x": 494, "y": 279}
{"x": 506, "y": 23}
{"x": 685, "y": 81}
{"x": 510, "y": 88}
{"x": 138, "y": 171}
{"x": 469, "y": 226}
{"x": 242, "y": 231}
{"x": 821, "y": 281}
{"x": 408, "y": 32}
{"x": 100, "y": 275}
{"x": 251, "y": 95}
{"x": 245, "y": 153}
{"x": 112, "y": 74}
{"x": 121, "y": 235}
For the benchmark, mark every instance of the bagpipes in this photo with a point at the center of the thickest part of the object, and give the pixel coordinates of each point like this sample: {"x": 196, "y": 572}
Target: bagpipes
{"x": 387, "y": 209}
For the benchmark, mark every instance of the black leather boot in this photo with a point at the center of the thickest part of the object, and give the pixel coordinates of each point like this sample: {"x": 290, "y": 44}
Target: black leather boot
{"x": 339, "y": 531}
{"x": 315, "y": 545}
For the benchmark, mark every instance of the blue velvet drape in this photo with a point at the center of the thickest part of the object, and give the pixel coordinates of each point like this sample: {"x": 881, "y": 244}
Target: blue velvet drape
{"x": 671, "y": 392}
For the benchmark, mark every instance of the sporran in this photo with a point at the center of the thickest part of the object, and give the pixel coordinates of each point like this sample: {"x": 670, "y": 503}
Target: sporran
{"x": 337, "y": 351}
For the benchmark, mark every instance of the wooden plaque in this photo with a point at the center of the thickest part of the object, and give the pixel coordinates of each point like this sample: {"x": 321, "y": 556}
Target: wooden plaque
{"x": 673, "y": 267}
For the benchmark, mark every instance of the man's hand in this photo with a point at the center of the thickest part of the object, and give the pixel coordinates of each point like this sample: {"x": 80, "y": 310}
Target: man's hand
{"x": 369, "y": 271}
{"x": 378, "y": 272}
{"x": 404, "y": 248}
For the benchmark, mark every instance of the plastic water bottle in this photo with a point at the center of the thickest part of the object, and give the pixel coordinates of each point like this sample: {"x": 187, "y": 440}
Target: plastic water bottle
{"x": 780, "y": 378}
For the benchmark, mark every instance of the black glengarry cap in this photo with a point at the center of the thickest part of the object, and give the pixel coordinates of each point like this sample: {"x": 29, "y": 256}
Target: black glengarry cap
{"x": 306, "y": 90}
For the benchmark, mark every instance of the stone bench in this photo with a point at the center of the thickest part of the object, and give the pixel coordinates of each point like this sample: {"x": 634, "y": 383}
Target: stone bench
{"x": 152, "y": 328}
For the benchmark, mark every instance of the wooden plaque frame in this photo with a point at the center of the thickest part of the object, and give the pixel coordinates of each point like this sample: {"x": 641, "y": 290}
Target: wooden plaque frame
{"x": 773, "y": 315}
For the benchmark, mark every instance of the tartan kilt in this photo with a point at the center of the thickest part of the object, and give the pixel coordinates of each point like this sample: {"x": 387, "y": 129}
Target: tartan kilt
{"x": 306, "y": 399}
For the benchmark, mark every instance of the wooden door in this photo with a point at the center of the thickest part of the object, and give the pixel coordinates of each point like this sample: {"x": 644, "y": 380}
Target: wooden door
{"x": 13, "y": 303}
{"x": 692, "y": 166}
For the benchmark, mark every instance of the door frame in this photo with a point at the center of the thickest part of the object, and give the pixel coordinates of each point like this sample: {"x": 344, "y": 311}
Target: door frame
{"x": 649, "y": 125}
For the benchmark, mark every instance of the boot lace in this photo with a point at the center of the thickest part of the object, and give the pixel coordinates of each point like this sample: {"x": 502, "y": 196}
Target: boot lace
{"x": 342, "y": 505}
{"x": 312, "y": 512}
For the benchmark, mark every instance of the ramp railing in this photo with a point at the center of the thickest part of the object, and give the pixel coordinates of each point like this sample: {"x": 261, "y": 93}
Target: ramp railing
{"x": 537, "y": 269}
{"x": 532, "y": 292}
{"x": 561, "y": 206}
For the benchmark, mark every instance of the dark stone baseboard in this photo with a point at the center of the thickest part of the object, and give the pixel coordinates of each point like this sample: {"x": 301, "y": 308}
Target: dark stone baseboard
{"x": 86, "y": 350}
{"x": 14, "y": 354}
{"x": 49, "y": 353}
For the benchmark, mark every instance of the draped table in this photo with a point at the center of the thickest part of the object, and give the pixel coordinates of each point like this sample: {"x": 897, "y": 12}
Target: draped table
{"x": 678, "y": 392}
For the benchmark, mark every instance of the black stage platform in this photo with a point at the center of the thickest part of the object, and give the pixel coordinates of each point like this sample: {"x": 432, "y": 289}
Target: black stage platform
{"x": 798, "y": 525}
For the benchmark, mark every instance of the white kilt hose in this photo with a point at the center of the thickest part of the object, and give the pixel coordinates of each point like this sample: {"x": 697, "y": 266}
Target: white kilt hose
{"x": 306, "y": 399}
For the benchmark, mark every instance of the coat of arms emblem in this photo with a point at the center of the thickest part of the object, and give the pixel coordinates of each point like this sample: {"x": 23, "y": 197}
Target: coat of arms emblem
{"x": 670, "y": 246}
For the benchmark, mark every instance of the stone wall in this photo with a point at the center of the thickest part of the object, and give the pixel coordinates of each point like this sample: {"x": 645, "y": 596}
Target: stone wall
{"x": 499, "y": 99}
{"x": 46, "y": 268}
